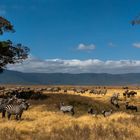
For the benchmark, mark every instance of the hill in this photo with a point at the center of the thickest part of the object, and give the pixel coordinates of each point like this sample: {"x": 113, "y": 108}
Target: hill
{"x": 14, "y": 77}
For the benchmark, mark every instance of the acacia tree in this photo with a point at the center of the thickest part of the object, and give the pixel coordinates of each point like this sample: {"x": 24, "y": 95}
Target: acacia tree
{"x": 10, "y": 53}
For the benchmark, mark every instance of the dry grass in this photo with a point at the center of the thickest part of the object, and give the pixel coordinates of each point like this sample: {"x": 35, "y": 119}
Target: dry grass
{"x": 43, "y": 121}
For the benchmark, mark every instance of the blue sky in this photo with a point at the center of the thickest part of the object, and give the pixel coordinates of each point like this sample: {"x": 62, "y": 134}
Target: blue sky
{"x": 75, "y": 29}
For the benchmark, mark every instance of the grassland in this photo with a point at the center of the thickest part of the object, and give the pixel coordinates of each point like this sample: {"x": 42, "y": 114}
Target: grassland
{"x": 44, "y": 121}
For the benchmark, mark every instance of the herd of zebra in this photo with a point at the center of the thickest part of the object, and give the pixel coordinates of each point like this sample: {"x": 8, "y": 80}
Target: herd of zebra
{"x": 13, "y": 101}
{"x": 114, "y": 100}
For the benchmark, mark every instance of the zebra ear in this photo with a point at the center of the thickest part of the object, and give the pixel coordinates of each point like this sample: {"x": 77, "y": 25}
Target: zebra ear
{"x": 61, "y": 103}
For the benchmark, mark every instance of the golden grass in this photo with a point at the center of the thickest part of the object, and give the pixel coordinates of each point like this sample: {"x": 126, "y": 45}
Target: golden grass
{"x": 44, "y": 121}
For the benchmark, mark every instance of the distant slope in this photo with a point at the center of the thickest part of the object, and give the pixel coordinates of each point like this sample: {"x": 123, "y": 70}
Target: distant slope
{"x": 13, "y": 77}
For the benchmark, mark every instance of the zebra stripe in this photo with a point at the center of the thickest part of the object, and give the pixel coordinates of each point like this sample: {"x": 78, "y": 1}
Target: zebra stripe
{"x": 68, "y": 108}
{"x": 8, "y": 107}
{"x": 16, "y": 109}
{"x": 106, "y": 113}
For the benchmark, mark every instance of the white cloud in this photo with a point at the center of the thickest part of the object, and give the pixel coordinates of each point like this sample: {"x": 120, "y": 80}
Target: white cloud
{"x": 136, "y": 45}
{"x": 83, "y": 47}
{"x": 77, "y": 66}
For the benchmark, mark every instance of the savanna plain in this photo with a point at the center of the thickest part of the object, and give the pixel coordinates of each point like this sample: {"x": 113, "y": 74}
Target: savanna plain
{"x": 44, "y": 120}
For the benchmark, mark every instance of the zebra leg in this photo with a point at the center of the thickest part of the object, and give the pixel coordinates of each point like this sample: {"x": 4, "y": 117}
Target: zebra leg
{"x": 20, "y": 116}
{"x": 9, "y": 115}
{"x": 72, "y": 112}
{"x": 117, "y": 106}
{"x": 3, "y": 113}
{"x": 17, "y": 118}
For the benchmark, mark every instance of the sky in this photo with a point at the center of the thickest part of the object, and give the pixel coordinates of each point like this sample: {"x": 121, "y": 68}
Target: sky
{"x": 75, "y": 36}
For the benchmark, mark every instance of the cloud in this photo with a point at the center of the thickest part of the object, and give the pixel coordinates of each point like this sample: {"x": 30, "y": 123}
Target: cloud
{"x": 136, "y": 45}
{"x": 77, "y": 66}
{"x": 83, "y": 47}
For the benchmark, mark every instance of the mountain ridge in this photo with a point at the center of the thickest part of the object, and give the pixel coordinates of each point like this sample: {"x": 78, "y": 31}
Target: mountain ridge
{"x": 16, "y": 77}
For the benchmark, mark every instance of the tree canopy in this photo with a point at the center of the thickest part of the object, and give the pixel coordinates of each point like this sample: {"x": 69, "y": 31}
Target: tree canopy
{"x": 10, "y": 53}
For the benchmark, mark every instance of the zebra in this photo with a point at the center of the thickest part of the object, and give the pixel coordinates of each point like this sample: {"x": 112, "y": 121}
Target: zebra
{"x": 115, "y": 103}
{"x": 16, "y": 110}
{"x": 114, "y": 100}
{"x": 106, "y": 113}
{"x": 67, "y": 108}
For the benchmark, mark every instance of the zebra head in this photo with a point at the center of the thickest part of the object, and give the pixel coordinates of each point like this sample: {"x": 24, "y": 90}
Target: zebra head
{"x": 62, "y": 104}
{"x": 25, "y": 105}
{"x": 9, "y": 100}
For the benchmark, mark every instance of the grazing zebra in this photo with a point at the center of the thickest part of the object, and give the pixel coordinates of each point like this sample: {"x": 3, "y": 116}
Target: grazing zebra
{"x": 131, "y": 107}
{"x": 16, "y": 109}
{"x": 129, "y": 94}
{"x": 115, "y": 103}
{"x": 107, "y": 113}
{"x": 66, "y": 108}
{"x": 114, "y": 100}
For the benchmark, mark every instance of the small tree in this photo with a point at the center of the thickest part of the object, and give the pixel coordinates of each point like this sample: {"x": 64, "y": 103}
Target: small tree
{"x": 10, "y": 53}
